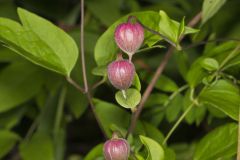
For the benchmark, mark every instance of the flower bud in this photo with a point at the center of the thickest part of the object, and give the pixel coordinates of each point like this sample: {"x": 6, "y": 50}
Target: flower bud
{"x": 121, "y": 73}
{"x": 116, "y": 149}
{"x": 129, "y": 36}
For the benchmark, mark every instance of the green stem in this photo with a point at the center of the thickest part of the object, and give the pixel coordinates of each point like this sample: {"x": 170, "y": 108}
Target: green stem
{"x": 158, "y": 33}
{"x": 60, "y": 108}
{"x": 152, "y": 47}
{"x": 32, "y": 129}
{"x": 103, "y": 80}
{"x": 174, "y": 94}
{"x": 124, "y": 94}
{"x": 177, "y": 123}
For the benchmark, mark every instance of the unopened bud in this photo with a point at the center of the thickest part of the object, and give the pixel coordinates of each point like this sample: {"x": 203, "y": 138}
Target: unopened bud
{"x": 116, "y": 149}
{"x": 121, "y": 73}
{"x": 129, "y": 36}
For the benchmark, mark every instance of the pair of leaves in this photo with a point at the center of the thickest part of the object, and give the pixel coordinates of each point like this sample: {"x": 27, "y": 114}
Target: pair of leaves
{"x": 173, "y": 30}
{"x": 39, "y": 41}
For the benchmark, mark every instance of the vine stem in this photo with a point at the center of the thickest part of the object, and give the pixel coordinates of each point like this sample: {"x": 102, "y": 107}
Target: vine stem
{"x": 177, "y": 123}
{"x": 74, "y": 84}
{"x": 86, "y": 88}
{"x": 174, "y": 94}
{"x": 238, "y": 150}
{"x": 157, "y": 74}
{"x": 97, "y": 84}
{"x": 82, "y": 48}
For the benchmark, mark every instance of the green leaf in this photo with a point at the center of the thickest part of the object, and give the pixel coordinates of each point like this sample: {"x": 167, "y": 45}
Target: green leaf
{"x": 222, "y": 49}
{"x": 182, "y": 61}
{"x": 39, "y": 41}
{"x": 95, "y": 153}
{"x": 163, "y": 83}
{"x": 196, "y": 73}
{"x": 196, "y": 114}
{"x": 102, "y": 10}
{"x": 7, "y": 55}
{"x": 156, "y": 99}
{"x": 174, "y": 108}
{"x": 210, "y": 7}
{"x": 39, "y": 147}
{"x": 12, "y": 117}
{"x": 47, "y": 117}
{"x": 15, "y": 79}
{"x": 110, "y": 114}
{"x": 129, "y": 98}
{"x": 181, "y": 27}
{"x": 100, "y": 71}
{"x": 139, "y": 157}
{"x": 226, "y": 51}
{"x": 7, "y": 141}
{"x": 155, "y": 151}
{"x": 220, "y": 53}
{"x": 168, "y": 28}
{"x": 77, "y": 102}
{"x": 106, "y": 49}
{"x": 224, "y": 96}
{"x": 169, "y": 154}
{"x": 136, "y": 82}
{"x": 184, "y": 151}
{"x": 210, "y": 64}
{"x": 219, "y": 143}
{"x": 215, "y": 112}
{"x": 153, "y": 132}
{"x": 172, "y": 30}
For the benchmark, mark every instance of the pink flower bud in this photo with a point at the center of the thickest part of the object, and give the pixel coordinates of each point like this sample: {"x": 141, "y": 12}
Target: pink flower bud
{"x": 129, "y": 36}
{"x": 121, "y": 73}
{"x": 116, "y": 149}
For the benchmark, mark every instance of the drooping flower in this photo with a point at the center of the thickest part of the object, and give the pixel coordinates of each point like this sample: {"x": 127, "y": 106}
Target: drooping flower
{"x": 116, "y": 149}
{"x": 129, "y": 36}
{"x": 121, "y": 73}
